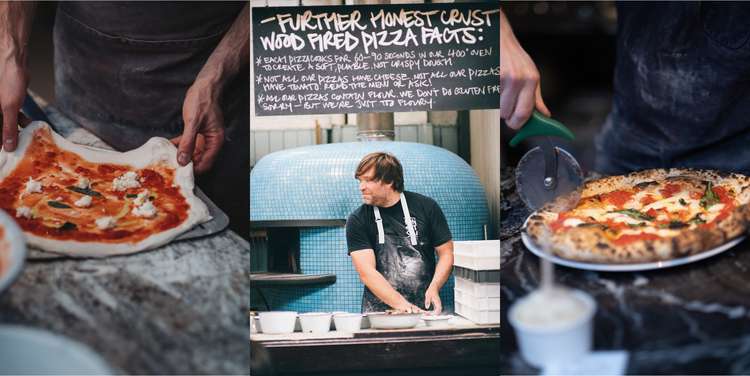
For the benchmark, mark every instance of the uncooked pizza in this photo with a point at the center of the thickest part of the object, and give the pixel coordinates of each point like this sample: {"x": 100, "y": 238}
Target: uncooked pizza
{"x": 650, "y": 215}
{"x": 81, "y": 201}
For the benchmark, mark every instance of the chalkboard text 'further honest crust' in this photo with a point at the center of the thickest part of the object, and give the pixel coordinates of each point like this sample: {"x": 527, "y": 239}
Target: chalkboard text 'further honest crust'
{"x": 376, "y": 58}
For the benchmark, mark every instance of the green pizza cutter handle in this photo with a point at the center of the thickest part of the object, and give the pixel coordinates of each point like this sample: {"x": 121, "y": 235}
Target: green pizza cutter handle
{"x": 540, "y": 125}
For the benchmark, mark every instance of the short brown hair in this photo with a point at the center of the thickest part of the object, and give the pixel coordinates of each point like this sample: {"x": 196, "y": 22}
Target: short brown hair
{"x": 387, "y": 169}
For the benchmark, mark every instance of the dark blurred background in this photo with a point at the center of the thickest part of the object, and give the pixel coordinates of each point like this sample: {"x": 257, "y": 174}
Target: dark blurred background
{"x": 573, "y": 46}
{"x": 40, "y": 59}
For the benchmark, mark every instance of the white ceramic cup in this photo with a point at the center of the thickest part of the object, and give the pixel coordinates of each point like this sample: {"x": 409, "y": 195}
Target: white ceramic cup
{"x": 542, "y": 344}
{"x": 315, "y": 322}
{"x": 348, "y": 322}
{"x": 277, "y": 322}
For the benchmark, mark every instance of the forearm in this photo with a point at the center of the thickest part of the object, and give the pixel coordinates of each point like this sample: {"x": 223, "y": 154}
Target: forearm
{"x": 442, "y": 271}
{"x": 379, "y": 286}
{"x": 15, "y": 27}
{"x": 230, "y": 56}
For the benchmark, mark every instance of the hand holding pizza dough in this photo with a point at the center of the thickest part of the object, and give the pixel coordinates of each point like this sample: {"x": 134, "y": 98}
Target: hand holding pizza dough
{"x": 203, "y": 135}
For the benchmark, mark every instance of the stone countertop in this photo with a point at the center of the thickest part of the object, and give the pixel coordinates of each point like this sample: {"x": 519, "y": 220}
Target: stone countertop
{"x": 693, "y": 318}
{"x": 180, "y": 308}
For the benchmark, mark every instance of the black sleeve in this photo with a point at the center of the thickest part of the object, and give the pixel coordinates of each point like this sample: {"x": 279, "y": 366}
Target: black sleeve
{"x": 356, "y": 235}
{"x": 440, "y": 231}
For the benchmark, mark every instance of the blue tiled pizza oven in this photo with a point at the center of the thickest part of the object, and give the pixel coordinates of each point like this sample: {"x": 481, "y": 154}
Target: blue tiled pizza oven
{"x": 317, "y": 183}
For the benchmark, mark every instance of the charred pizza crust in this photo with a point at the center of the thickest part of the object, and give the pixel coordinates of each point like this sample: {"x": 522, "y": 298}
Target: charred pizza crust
{"x": 156, "y": 154}
{"x": 596, "y": 242}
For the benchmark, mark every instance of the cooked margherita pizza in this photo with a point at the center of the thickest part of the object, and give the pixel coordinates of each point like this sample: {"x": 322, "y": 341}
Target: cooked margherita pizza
{"x": 646, "y": 216}
{"x": 81, "y": 201}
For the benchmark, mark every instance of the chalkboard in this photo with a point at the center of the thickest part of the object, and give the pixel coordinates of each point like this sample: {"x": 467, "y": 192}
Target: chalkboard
{"x": 376, "y": 58}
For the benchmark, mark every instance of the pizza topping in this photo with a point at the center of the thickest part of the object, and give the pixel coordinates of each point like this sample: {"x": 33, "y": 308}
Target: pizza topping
{"x": 629, "y": 238}
{"x": 23, "y": 212}
{"x": 632, "y": 213}
{"x": 126, "y": 181}
{"x": 673, "y": 225}
{"x": 709, "y": 197}
{"x": 84, "y": 191}
{"x": 58, "y": 204}
{"x": 647, "y": 199}
{"x": 83, "y": 183}
{"x": 573, "y": 222}
{"x": 67, "y": 226}
{"x": 141, "y": 198}
{"x": 83, "y": 202}
{"x": 617, "y": 198}
{"x": 670, "y": 189}
{"x": 104, "y": 223}
{"x": 33, "y": 186}
{"x": 147, "y": 210}
{"x": 683, "y": 202}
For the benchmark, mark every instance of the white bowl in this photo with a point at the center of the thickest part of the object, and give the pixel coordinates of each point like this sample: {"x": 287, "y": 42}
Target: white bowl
{"x": 315, "y": 322}
{"x": 333, "y": 322}
{"x": 39, "y": 352}
{"x": 558, "y": 340}
{"x": 12, "y": 251}
{"x": 348, "y": 322}
{"x": 437, "y": 321}
{"x": 382, "y": 320}
{"x": 277, "y": 322}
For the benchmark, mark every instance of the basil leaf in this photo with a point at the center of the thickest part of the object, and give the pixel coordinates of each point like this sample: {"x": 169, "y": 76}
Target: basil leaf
{"x": 58, "y": 204}
{"x": 131, "y": 195}
{"x": 634, "y": 225}
{"x": 588, "y": 224}
{"x": 697, "y": 220}
{"x": 67, "y": 226}
{"x": 673, "y": 225}
{"x": 85, "y": 191}
{"x": 683, "y": 202}
{"x": 709, "y": 197}
{"x": 632, "y": 213}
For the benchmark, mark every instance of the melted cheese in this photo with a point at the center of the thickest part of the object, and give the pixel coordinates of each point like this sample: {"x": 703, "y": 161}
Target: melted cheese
{"x": 147, "y": 210}
{"x": 33, "y": 186}
{"x": 83, "y": 202}
{"x": 83, "y": 183}
{"x": 126, "y": 181}
{"x": 23, "y": 212}
{"x": 104, "y": 223}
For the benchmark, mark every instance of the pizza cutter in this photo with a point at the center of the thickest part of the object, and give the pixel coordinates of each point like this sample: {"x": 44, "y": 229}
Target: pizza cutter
{"x": 546, "y": 171}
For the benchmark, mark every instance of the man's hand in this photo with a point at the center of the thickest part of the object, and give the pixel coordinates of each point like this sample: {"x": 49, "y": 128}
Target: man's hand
{"x": 407, "y": 307}
{"x": 14, "y": 79}
{"x": 203, "y": 135}
{"x": 520, "y": 91}
{"x": 15, "y": 27}
{"x": 432, "y": 298}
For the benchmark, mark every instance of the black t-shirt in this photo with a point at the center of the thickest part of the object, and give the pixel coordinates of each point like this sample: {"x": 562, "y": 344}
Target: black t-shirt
{"x": 432, "y": 228}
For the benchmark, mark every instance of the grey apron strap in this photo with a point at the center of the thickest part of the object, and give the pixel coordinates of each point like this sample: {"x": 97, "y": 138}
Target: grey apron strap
{"x": 407, "y": 220}
{"x": 379, "y": 223}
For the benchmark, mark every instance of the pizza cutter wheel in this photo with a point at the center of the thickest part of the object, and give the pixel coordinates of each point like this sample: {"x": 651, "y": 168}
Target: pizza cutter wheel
{"x": 547, "y": 171}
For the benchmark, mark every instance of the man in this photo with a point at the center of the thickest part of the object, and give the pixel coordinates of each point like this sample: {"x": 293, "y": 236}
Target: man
{"x": 395, "y": 257}
{"x": 130, "y": 71}
{"x": 681, "y": 97}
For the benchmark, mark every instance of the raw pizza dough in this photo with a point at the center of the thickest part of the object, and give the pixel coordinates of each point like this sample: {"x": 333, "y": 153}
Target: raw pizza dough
{"x": 646, "y": 216}
{"x": 81, "y": 201}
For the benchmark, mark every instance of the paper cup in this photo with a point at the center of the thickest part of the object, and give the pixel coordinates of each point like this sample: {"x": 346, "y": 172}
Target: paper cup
{"x": 541, "y": 345}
